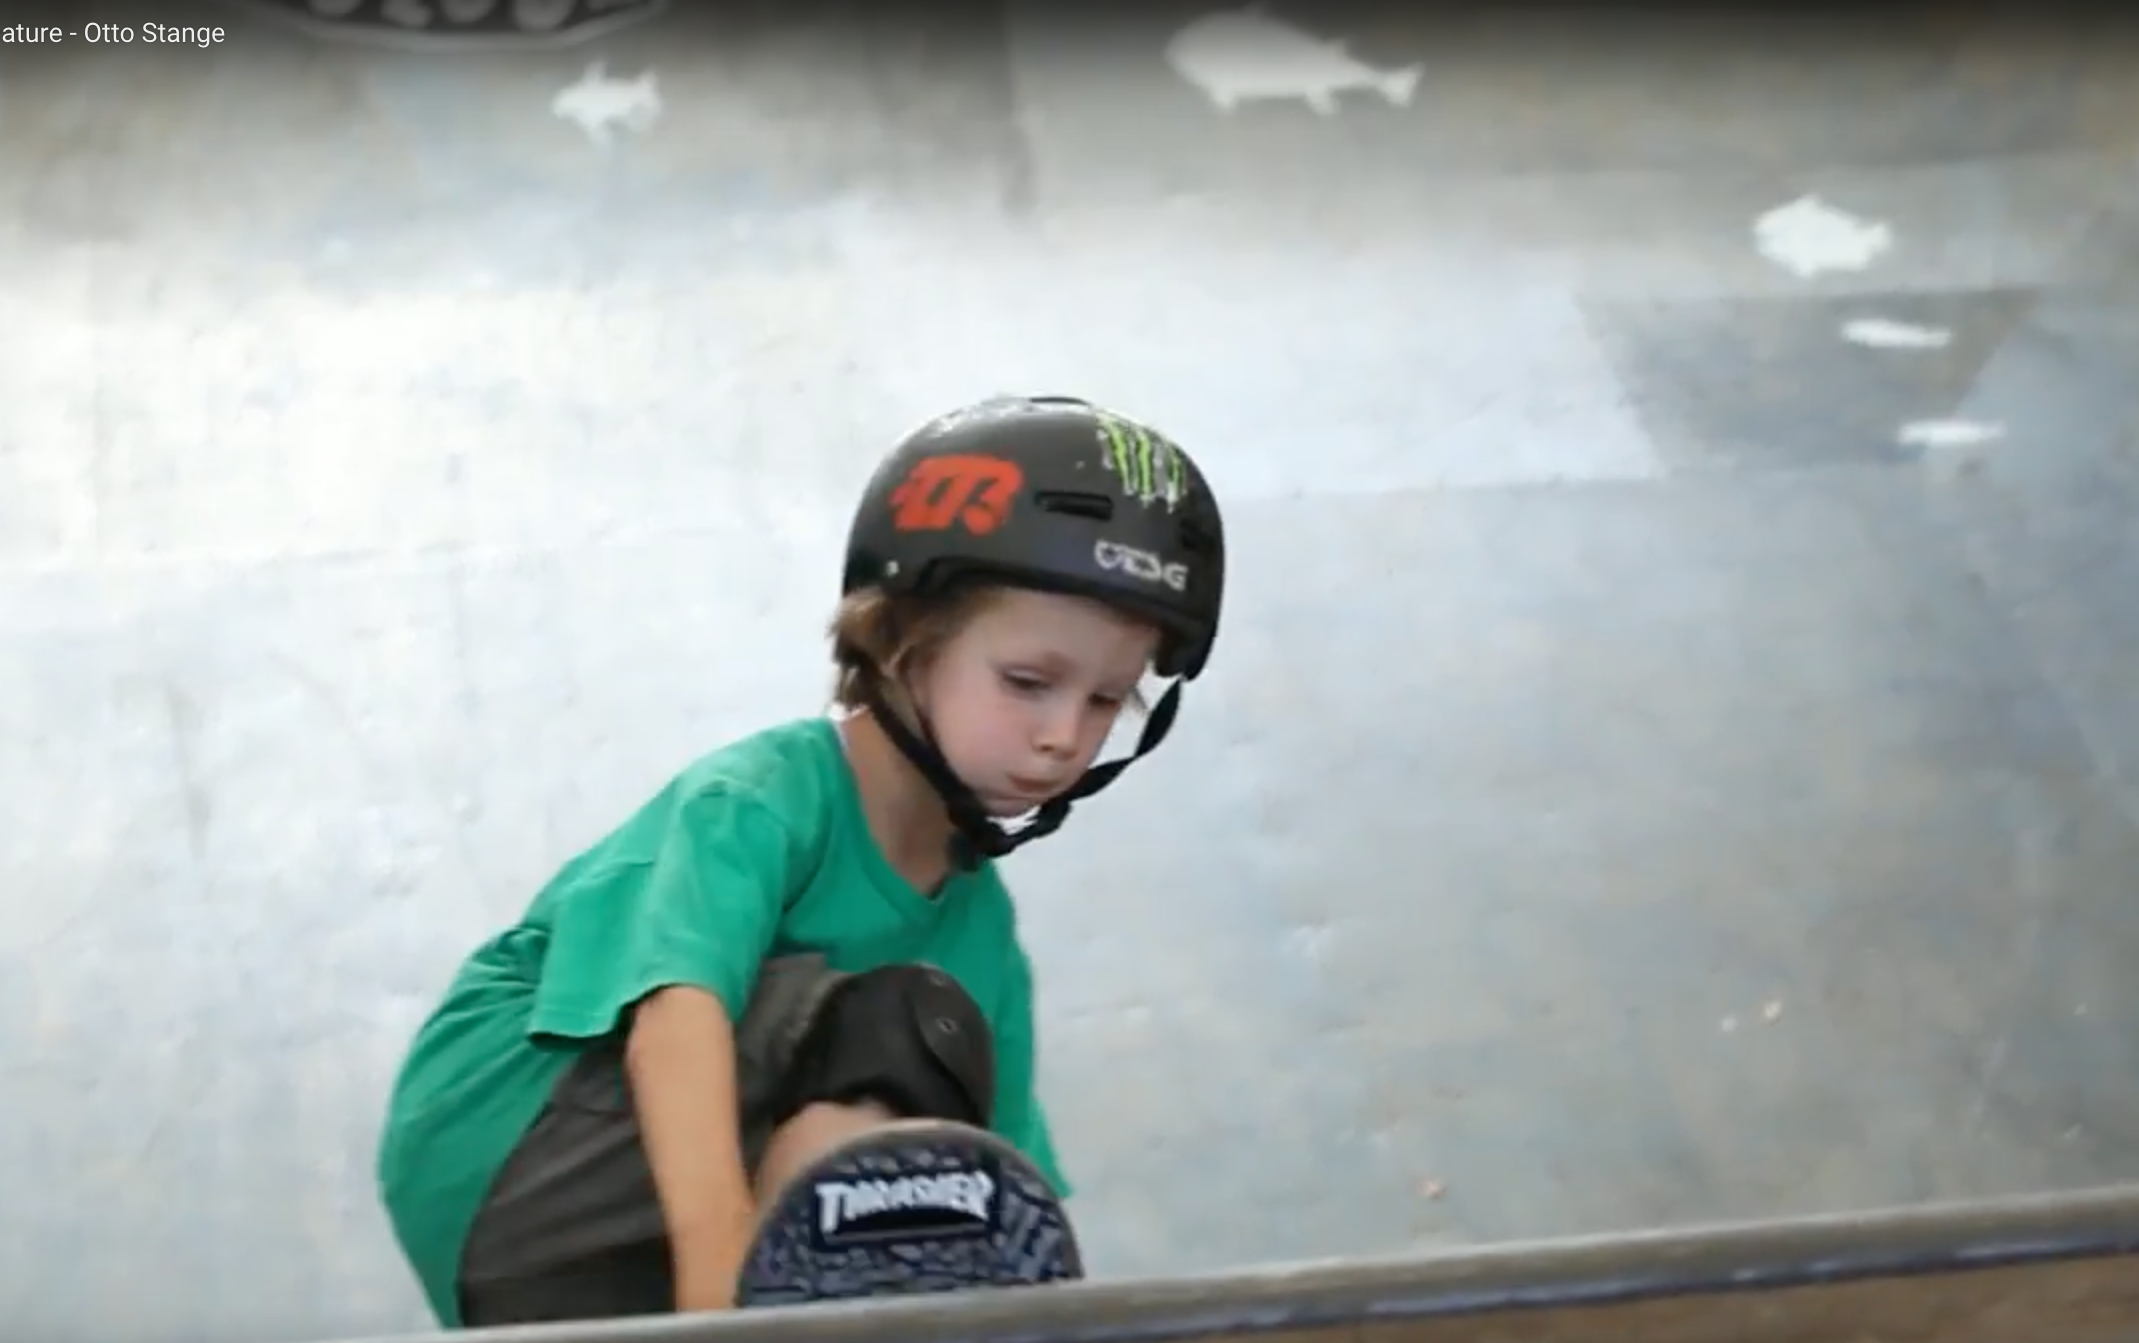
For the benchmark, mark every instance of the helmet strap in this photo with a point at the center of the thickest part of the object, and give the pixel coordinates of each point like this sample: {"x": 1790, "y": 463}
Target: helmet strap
{"x": 975, "y": 835}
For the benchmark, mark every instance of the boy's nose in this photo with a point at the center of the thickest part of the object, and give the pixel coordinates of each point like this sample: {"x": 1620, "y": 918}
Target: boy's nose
{"x": 1058, "y": 733}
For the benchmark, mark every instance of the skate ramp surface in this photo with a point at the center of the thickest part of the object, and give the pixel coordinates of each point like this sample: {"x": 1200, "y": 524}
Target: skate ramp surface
{"x": 1673, "y": 754}
{"x": 2042, "y": 1270}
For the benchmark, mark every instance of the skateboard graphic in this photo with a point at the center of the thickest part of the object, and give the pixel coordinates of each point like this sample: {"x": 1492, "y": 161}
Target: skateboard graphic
{"x": 917, "y": 1206}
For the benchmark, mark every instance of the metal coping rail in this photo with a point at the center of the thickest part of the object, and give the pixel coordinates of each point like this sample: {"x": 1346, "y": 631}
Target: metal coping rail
{"x": 1592, "y": 1271}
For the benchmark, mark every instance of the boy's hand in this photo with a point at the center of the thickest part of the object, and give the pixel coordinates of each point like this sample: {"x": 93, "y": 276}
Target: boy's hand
{"x": 708, "y": 1263}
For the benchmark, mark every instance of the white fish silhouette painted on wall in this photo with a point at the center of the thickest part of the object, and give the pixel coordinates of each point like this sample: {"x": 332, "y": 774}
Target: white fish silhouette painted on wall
{"x": 598, "y": 103}
{"x": 1242, "y": 54}
{"x": 1809, "y": 237}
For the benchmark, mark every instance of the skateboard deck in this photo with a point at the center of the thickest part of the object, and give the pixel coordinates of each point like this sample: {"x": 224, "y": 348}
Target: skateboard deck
{"x": 917, "y": 1206}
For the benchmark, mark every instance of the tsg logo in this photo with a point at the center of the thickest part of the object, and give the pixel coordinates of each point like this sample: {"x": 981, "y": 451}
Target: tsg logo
{"x": 1118, "y": 558}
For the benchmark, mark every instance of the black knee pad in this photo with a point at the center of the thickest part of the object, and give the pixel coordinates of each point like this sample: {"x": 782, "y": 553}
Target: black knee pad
{"x": 906, "y": 1036}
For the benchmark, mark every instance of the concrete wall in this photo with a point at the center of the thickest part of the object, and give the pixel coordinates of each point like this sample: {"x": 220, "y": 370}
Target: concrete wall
{"x": 1673, "y": 749}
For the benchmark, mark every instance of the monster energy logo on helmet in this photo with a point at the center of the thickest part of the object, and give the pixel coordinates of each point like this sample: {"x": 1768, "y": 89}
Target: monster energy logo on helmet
{"x": 1150, "y": 467}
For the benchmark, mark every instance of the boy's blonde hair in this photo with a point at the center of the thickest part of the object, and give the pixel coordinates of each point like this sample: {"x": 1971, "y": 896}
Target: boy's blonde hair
{"x": 878, "y": 639}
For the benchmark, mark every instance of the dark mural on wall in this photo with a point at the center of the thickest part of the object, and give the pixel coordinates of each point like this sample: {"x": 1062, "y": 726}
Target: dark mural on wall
{"x": 457, "y": 24}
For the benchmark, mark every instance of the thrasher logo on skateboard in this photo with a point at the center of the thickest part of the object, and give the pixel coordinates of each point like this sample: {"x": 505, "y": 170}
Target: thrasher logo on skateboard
{"x": 918, "y": 1206}
{"x": 947, "y": 1202}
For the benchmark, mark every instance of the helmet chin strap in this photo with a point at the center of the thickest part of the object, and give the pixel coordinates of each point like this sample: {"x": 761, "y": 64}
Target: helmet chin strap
{"x": 976, "y": 835}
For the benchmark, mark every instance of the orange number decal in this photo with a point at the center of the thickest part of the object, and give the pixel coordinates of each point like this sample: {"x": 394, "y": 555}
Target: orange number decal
{"x": 941, "y": 491}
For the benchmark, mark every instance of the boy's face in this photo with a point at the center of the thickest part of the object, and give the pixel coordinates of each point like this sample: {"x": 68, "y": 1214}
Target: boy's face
{"x": 1024, "y": 696}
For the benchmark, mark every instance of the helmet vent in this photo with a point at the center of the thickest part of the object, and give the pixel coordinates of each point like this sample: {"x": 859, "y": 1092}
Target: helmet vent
{"x": 1076, "y": 504}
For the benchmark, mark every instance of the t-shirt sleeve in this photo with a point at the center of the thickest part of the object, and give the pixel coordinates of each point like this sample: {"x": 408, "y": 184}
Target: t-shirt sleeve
{"x": 696, "y": 903}
{"x": 1019, "y": 1117}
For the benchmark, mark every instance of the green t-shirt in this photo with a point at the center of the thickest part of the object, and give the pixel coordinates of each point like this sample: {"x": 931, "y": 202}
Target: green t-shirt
{"x": 757, "y": 849}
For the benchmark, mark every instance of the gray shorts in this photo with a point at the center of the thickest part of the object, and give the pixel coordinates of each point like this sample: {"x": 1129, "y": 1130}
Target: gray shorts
{"x": 572, "y": 1228}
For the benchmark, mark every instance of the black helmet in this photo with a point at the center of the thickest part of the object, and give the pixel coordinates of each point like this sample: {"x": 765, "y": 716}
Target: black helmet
{"x": 1054, "y": 493}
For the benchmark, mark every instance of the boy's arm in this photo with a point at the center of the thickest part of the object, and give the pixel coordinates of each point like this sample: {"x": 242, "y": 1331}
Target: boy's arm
{"x": 667, "y": 945}
{"x": 681, "y": 1063}
{"x": 1019, "y": 1117}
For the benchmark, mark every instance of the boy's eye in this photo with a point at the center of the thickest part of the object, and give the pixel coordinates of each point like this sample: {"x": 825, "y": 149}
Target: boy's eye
{"x": 1024, "y": 681}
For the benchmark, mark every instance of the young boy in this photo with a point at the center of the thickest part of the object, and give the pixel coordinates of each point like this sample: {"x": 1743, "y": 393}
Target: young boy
{"x": 804, "y": 935}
